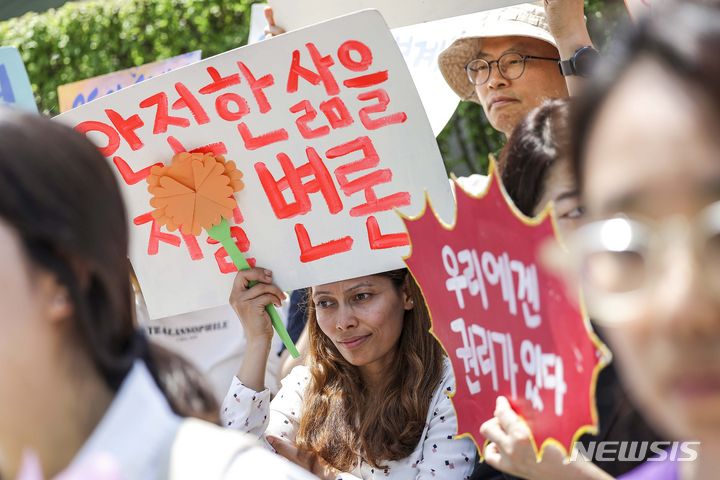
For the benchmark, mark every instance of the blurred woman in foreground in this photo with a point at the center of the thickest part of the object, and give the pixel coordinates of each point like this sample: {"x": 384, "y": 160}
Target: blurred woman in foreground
{"x": 81, "y": 391}
{"x": 647, "y": 161}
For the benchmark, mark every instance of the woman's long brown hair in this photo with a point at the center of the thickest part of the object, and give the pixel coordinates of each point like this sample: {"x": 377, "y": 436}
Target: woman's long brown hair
{"x": 343, "y": 421}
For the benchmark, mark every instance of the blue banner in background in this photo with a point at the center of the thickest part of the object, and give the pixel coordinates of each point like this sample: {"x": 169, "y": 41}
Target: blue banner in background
{"x": 15, "y": 89}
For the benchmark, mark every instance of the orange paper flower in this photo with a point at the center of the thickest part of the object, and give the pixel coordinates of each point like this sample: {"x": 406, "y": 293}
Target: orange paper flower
{"x": 194, "y": 192}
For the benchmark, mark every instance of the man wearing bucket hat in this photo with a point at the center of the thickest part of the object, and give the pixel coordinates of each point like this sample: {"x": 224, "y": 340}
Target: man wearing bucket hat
{"x": 514, "y": 58}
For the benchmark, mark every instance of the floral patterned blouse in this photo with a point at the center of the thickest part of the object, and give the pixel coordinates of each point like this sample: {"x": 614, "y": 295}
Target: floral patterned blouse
{"x": 438, "y": 455}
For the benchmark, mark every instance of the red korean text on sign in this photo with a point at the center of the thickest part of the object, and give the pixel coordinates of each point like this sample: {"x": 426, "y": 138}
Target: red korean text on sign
{"x": 171, "y": 113}
{"x": 319, "y": 172}
{"x": 240, "y": 96}
{"x": 175, "y": 239}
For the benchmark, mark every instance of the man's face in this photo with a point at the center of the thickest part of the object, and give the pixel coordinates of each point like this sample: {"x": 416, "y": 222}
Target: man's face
{"x": 506, "y": 102}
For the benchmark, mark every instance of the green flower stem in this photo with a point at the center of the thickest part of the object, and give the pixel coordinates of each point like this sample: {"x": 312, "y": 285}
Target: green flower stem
{"x": 221, "y": 233}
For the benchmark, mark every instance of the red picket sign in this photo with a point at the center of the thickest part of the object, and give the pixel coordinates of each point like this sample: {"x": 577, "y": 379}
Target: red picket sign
{"x": 505, "y": 321}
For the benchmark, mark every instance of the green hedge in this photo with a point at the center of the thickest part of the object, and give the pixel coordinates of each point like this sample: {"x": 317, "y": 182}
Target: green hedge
{"x": 85, "y": 39}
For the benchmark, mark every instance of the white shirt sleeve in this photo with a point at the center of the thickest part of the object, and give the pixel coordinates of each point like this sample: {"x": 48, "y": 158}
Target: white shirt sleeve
{"x": 443, "y": 456}
{"x": 252, "y": 412}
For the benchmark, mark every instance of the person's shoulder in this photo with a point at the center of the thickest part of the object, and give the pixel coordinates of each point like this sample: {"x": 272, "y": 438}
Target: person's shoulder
{"x": 446, "y": 386}
{"x": 299, "y": 371}
{"x": 298, "y": 378}
{"x": 448, "y": 375}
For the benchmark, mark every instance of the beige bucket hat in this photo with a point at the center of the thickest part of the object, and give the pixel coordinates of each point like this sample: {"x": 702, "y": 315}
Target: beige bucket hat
{"x": 523, "y": 20}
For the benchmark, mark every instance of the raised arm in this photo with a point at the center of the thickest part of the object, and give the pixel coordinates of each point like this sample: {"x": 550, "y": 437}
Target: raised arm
{"x": 246, "y": 405}
{"x": 252, "y": 291}
{"x": 567, "y": 24}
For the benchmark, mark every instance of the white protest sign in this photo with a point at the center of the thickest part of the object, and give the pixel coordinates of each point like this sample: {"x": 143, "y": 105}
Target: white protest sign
{"x": 292, "y": 14}
{"x": 256, "y": 32}
{"x": 420, "y": 46}
{"x": 330, "y": 134}
{"x": 213, "y": 341}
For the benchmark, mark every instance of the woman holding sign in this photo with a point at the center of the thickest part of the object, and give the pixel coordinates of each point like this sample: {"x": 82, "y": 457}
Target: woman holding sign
{"x": 81, "y": 391}
{"x": 373, "y": 401}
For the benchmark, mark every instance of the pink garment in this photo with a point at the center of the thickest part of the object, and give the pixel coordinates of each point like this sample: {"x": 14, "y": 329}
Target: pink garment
{"x": 97, "y": 467}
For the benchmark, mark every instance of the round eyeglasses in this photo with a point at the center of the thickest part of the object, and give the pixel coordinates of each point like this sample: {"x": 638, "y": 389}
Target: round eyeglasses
{"x": 510, "y": 65}
{"x": 620, "y": 260}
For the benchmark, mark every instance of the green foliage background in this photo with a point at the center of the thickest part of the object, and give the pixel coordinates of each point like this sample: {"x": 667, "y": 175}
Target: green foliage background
{"x": 85, "y": 39}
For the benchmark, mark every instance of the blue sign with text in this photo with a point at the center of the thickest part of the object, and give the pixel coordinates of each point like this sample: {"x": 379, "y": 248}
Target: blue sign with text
{"x": 15, "y": 89}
